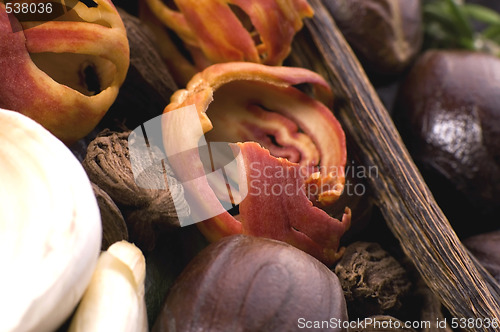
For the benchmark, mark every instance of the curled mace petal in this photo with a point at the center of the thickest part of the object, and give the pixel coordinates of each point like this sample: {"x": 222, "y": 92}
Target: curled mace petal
{"x": 238, "y": 102}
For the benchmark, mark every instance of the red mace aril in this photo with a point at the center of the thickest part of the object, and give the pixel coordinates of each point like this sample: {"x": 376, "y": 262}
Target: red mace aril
{"x": 215, "y": 31}
{"x": 65, "y": 72}
{"x": 290, "y": 166}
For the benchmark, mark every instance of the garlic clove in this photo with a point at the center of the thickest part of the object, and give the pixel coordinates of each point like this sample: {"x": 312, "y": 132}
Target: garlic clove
{"x": 114, "y": 300}
{"x": 50, "y": 228}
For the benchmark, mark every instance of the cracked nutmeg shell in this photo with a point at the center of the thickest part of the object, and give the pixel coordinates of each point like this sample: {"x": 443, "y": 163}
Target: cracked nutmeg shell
{"x": 245, "y": 283}
{"x": 64, "y": 73}
{"x": 385, "y": 34}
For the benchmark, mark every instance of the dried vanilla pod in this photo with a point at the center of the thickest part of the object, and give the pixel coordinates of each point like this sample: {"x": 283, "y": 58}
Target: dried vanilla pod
{"x": 486, "y": 248}
{"x": 114, "y": 228}
{"x": 382, "y": 323}
{"x": 145, "y": 210}
{"x": 373, "y": 281}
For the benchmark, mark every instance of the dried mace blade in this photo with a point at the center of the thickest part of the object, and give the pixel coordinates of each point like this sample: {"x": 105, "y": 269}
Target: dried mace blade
{"x": 66, "y": 73}
{"x": 259, "y": 31}
{"x": 291, "y": 165}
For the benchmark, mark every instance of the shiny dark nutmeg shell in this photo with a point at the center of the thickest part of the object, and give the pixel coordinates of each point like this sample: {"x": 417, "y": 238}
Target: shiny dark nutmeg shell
{"x": 448, "y": 112}
{"x": 243, "y": 283}
{"x": 386, "y": 35}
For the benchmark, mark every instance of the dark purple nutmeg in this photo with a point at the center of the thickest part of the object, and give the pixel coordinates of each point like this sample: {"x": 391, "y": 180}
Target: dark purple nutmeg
{"x": 486, "y": 248}
{"x": 448, "y": 112}
{"x": 385, "y": 34}
{"x": 243, "y": 283}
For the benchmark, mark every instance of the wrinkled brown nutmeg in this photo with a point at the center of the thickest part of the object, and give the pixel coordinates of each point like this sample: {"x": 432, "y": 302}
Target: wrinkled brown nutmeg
{"x": 385, "y": 34}
{"x": 243, "y": 283}
{"x": 431, "y": 309}
{"x": 146, "y": 211}
{"x": 373, "y": 281}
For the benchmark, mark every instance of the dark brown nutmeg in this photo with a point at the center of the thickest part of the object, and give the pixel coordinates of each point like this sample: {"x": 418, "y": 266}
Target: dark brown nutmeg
{"x": 114, "y": 228}
{"x": 486, "y": 248}
{"x": 431, "y": 309}
{"x": 243, "y": 283}
{"x": 148, "y": 85}
{"x": 108, "y": 164}
{"x": 385, "y": 34}
{"x": 448, "y": 112}
{"x": 373, "y": 281}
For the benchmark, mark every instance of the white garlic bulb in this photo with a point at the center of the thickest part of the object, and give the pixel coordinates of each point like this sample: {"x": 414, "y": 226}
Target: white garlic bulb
{"x": 50, "y": 227}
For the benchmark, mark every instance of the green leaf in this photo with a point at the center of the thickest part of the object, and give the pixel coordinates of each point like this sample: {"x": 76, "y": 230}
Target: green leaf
{"x": 480, "y": 13}
{"x": 460, "y": 18}
{"x": 448, "y": 24}
{"x": 492, "y": 32}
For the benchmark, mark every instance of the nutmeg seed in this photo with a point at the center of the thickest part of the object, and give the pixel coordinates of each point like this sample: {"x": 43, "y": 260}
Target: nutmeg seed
{"x": 244, "y": 283}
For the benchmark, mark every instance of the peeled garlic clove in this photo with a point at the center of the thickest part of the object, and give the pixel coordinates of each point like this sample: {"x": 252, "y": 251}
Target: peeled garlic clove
{"x": 114, "y": 300}
{"x": 50, "y": 228}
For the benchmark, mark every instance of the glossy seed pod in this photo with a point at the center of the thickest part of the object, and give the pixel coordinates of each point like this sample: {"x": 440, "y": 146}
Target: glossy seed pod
{"x": 448, "y": 112}
{"x": 245, "y": 283}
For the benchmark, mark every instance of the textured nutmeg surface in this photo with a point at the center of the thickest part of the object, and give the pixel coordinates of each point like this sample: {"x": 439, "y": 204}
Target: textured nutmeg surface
{"x": 243, "y": 283}
{"x": 108, "y": 163}
{"x": 373, "y": 281}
